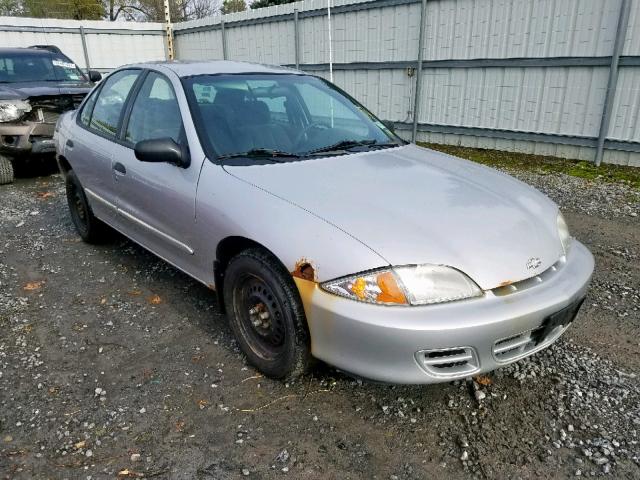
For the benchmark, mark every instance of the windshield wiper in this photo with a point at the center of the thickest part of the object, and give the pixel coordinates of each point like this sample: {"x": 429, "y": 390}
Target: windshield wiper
{"x": 347, "y": 144}
{"x": 260, "y": 153}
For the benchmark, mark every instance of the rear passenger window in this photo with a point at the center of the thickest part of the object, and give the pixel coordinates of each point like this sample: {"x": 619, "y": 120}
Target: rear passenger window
{"x": 155, "y": 112}
{"x": 110, "y": 102}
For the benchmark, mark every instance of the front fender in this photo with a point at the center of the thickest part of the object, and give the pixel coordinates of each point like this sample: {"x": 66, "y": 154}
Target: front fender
{"x": 227, "y": 206}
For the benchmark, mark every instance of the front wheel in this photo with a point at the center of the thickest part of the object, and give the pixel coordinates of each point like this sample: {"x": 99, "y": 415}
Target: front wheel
{"x": 266, "y": 314}
{"x": 6, "y": 170}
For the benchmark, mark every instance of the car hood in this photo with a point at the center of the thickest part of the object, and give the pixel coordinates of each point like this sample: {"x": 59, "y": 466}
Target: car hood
{"x": 413, "y": 205}
{"x": 22, "y": 91}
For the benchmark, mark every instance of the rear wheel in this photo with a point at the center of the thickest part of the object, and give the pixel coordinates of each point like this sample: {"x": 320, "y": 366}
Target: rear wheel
{"x": 90, "y": 228}
{"x": 266, "y": 314}
{"x": 6, "y": 170}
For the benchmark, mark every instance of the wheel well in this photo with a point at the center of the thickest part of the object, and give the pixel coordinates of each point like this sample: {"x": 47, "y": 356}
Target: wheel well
{"x": 227, "y": 249}
{"x": 63, "y": 165}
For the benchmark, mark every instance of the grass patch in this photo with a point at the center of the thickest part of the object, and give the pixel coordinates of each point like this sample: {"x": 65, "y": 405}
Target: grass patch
{"x": 544, "y": 164}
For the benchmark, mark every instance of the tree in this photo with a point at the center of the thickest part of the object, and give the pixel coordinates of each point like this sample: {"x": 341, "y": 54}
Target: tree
{"x": 232, "y": 6}
{"x": 153, "y": 10}
{"x": 135, "y": 10}
{"x": 74, "y": 9}
{"x": 269, "y": 3}
{"x": 10, "y": 8}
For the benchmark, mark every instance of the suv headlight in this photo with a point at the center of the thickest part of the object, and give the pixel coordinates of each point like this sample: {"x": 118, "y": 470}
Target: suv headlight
{"x": 563, "y": 233}
{"x": 407, "y": 285}
{"x": 11, "y": 110}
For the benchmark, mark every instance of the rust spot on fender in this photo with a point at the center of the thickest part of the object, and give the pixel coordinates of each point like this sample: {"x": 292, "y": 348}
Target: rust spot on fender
{"x": 304, "y": 270}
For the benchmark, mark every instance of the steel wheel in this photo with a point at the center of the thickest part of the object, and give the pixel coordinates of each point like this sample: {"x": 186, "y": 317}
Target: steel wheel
{"x": 266, "y": 314}
{"x": 261, "y": 317}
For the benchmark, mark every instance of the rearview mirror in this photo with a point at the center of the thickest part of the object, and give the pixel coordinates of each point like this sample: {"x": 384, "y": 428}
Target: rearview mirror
{"x": 162, "y": 150}
{"x": 95, "y": 76}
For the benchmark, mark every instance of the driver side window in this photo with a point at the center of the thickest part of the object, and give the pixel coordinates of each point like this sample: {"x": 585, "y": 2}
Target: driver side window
{"x": 155, "y": 113}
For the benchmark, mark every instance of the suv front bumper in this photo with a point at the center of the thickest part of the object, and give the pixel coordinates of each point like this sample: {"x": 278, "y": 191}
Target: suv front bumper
{"x": 17, "y": 139}
{"x": 437, "y": 343}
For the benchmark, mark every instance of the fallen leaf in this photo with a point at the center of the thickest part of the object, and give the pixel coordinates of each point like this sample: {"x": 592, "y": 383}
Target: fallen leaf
{"x": 129, "y": 473}
{"x": 135, "y": 293}
{"x": 80, "y": 445}
{"x": 198, "y": 358}
{"x": 202, "y": 404}
{"x": 45, "y": 195}
{"x": 30, "y": 286}
{"x": 103, "y": 301}
{"x": 483, "y": 380}
{"x": 179, "y": 426}
{"x": 154, "y": 300}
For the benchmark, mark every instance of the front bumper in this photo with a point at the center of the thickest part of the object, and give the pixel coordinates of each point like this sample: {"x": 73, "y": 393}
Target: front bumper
{"x": 17, "y": 139}
{"x": 438, "y": 343}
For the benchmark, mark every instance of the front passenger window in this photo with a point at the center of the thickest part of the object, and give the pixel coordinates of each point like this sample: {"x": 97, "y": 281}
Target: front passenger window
{"x": 155, "y": 112}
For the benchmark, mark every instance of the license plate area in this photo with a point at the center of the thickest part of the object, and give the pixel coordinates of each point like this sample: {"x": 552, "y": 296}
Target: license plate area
{"x": 561, "y": 318}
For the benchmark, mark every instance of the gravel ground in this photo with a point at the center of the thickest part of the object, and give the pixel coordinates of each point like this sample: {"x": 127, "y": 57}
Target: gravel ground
{"x": 114, "y": 364}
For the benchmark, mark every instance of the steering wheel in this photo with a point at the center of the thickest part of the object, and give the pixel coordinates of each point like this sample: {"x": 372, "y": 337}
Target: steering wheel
{"x": 304, "y": 134}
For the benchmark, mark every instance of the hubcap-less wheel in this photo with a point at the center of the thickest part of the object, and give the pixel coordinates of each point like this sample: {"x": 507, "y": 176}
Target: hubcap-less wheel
{"x": 78, "y": 209}
{"x": 79, "y": 205}
{"x": 261, "y": 316}
{"x": 87, "y": 225}
{"x": 266, "y": 314}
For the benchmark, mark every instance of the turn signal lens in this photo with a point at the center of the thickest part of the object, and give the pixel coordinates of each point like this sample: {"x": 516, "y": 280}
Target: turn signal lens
{"x": 376, "y": 287}
{"x": 390, "y": 292}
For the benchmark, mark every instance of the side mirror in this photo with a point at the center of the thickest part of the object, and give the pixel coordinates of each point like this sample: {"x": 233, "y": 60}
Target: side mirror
{"x": 95, "y": 76}
{"x": 162, "y": 150}
{"x": 390, "y": 125}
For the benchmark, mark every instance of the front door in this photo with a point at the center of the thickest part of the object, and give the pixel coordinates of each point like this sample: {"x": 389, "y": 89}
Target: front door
{"x": 156, "y": 200}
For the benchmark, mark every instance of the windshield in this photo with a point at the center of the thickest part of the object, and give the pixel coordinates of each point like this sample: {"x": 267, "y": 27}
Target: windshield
{"x": 280, "y": 115}
{"x": 38, "y": 67}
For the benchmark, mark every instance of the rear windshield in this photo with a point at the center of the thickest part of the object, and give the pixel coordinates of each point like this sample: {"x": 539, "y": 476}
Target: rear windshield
{"x": 38, "y": 67}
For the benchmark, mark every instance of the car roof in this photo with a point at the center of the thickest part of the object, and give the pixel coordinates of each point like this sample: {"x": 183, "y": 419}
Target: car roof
{"x": 186, "y": 68}
{"x": 26, "y": 51}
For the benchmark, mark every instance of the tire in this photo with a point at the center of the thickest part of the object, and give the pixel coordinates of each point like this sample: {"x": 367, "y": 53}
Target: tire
{"x": 90, "y": 228}
{"x": 6, "y": 170}
{"x": 278, "y": 343}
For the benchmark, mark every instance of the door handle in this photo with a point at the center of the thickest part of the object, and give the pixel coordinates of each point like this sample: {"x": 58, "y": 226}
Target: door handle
{"x": 70, "y": 143}
{"x": 119, "y": 168}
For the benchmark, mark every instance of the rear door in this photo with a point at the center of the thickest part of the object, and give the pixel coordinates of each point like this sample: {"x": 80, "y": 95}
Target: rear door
{"x": 89, "y": 150}
{"x": 156, "y": 200}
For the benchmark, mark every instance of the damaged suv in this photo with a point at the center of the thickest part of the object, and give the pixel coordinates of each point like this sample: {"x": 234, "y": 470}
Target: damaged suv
{"x": 37, "y": 84}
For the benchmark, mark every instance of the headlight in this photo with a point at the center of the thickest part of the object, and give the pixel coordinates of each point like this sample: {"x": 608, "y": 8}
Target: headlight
{"x": 409, "y": 285}
{"x": 563, "y": 233}
{"x": 11, "y": 110}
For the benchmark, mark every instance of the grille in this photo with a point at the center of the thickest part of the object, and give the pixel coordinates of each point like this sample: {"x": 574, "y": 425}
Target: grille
{"x": 530, "y": 282}
{"x": 450, "y": 362}
{"x": 516, "y": 346}
{"x": 47, "y": 116}
{"x": 47, "y": 109}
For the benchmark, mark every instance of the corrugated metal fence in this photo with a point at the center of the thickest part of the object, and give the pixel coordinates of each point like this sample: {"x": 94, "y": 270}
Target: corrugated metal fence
{"x": 98, "y": 45}
{"x": 518, "y": 75}
{"x": 555, "y": 77}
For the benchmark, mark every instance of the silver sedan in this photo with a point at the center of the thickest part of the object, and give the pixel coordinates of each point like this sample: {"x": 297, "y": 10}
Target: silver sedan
{"x": 324, "y": 234}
